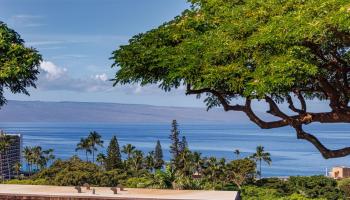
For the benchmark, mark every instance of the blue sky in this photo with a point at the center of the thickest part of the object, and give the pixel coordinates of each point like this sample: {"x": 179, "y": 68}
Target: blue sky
{"x": 76, "y": 38}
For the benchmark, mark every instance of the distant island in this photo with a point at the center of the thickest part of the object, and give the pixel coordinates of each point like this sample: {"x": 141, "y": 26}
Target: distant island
{"x": 41, "y": 111}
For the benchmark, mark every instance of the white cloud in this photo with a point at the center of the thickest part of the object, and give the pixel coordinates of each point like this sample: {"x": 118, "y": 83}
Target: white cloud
{"x": 51, "y": 71}
{"x": 101, "y": 77}
{"x": 55, "y": 78}
{"x": 24, "y": 20}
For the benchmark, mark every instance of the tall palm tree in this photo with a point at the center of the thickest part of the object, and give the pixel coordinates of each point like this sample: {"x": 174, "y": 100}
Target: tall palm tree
{"x": 128, "y": 150}
{"x": 37, "y": 156}
{"x": 17, "y": 168}
{"x": 259, "y": 156}
{"x": 45, "y": 158}
{"x": 28, "y": 156}
{"x": 84, "y": 145}
{"x": 95, "y": 140}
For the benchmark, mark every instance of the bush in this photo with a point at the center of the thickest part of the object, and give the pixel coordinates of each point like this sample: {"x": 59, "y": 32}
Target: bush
{"x": 344, "y": 185}
{"x": 77, "y": 172}
{"x": 258, "y": 193}
{"x": 136, "y": 182}
{"x": 316, "y": 187}
{"x": 281, "y": 186}
{"x": 28, "y": 182}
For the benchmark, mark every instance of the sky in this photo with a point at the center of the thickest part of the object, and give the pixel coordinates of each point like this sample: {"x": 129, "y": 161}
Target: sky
{"x": 76, "y": 39}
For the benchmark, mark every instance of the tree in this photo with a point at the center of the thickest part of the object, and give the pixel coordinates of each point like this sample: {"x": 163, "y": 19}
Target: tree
{"x": 128, "y": 150}
{"x": 239, "y": 171}
{"x": 183, "y": 144}
{"x": 28, "y": 156}
{"x": 175, "y": 141}
{"x": 19, "y": 65}
{"x": 17, "y": 168}
{"x": 95, "y": 140}
{"x": 113, "y": 158}
{"x": 197, "y": 162}
{"x": 84, "y": 145}
{"x": 137, "y": 161}
{"x": 45, "y": 158}
{"x": 158, "y": 156}
{"x": 281, "y": 52}
{"x": 260, "y": 155}
{"x": 101, "y": 159}
{"x": 149, "y": 161}
{"x": 237, "y": 152}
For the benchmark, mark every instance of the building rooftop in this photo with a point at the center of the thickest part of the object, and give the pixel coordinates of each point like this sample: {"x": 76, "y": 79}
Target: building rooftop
{"x": 105, "y": 192}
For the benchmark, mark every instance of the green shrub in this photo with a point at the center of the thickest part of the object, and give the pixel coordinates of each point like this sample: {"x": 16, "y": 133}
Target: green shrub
{"x": 344, "y": 185}
{"x": 281, "y": 186}
{"x": 136, "y": 182}
{"x": 77, "y": 172}
{"x": 316, "y": 187}
{"x": 259, "y": 193}
{"x": 28, "y": 182}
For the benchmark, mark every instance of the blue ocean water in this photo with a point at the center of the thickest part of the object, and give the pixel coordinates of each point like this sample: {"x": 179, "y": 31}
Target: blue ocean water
{"x": 289, "y": 155}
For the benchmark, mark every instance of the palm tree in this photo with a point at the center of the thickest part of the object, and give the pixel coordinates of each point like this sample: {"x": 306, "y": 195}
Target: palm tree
{"x": 260, "y": 155}
{"x": 100, "y": 158}
{"x": 37, "y": 156}
{"x": 84, "y": 145}
{"x": 17, "y": 168}
{"x": 137, "y": 160}
{"x": 213, "y": 169}
{"x": 45, "y": 158}
{"x": 149, "y": 161}
{"x": 197, "y": 162}
{"x": 237, "y": 152}
{"x": 128, "y": 150}
{"x": 95, "y": 140}
{"x": 28, "y": 156}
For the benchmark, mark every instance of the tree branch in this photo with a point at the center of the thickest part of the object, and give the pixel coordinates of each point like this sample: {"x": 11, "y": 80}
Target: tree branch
{"x": 326, "y": 153}
{"x": 261, "y": 123}
{"x": 220, "y": 97}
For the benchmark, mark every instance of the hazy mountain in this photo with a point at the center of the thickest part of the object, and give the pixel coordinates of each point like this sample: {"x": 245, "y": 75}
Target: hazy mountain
{"x": 38, "y": 111}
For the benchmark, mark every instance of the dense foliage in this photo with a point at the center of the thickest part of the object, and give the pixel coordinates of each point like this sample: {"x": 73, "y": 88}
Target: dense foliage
{"x": 309, "y": 187}
{"x": 18, "y": 63}
{"x": 254, "y": 50}
{"x": 189, "y": 171}
{"x": 76, "y": 172}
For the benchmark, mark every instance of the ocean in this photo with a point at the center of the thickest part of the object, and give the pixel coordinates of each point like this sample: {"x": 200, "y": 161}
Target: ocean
{"x": 290, "y": 156}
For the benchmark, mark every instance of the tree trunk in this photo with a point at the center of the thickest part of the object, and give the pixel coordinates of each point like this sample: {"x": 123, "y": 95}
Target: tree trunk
{"x": 260, "y": 168}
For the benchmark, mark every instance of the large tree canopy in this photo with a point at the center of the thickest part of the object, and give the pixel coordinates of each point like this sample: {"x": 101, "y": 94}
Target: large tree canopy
{"x": 267, "y": 50}
{"x": 18, "y": 64}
